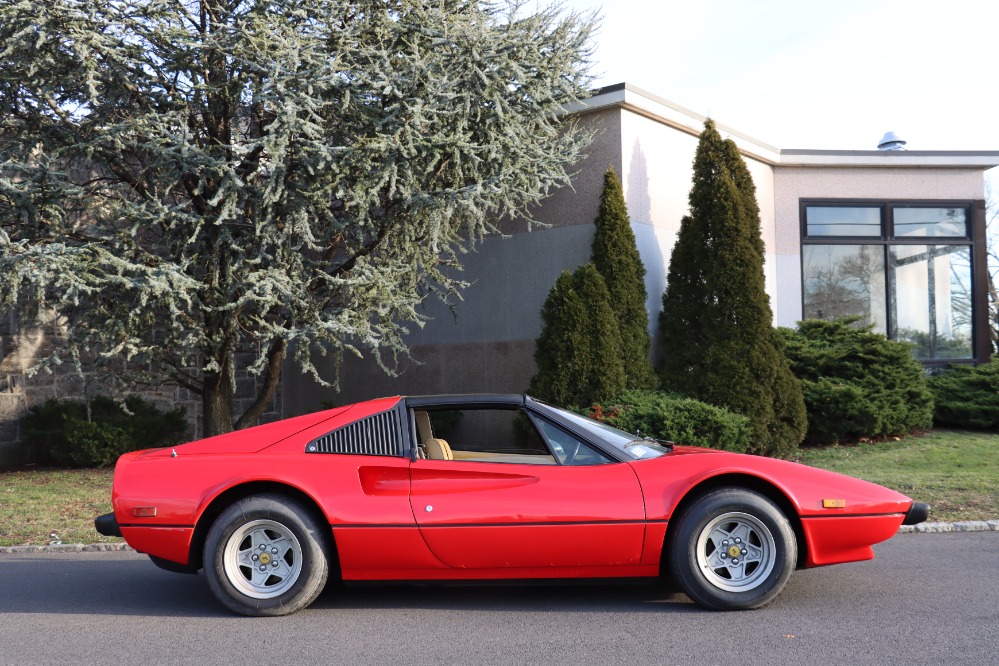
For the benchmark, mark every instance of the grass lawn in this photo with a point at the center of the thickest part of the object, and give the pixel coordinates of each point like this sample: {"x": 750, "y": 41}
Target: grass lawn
{"x": 36, "y": 502}
{"x": 956, "y": 472}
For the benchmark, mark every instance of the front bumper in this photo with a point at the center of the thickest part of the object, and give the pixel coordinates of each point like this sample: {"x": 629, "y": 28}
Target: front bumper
{"x": 107, "y": 525}
{"x": 917, "y": 513}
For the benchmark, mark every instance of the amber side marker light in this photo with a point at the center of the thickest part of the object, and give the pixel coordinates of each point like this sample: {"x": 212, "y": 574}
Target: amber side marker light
{"x": 144, "y": 512}
{"x": 833, "y": 504}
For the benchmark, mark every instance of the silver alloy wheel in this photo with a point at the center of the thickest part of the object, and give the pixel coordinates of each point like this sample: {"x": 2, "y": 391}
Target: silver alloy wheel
{"x": 735, "y": 552}
{"x": 262, "y": 559}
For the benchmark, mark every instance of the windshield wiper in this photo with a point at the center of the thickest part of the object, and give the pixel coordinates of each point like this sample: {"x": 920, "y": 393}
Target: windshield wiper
{"x": 662, "y": 443}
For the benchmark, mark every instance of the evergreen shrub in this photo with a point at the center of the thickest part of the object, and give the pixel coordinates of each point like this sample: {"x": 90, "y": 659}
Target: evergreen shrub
{"x": 676, "y": 418}
{"x": 578, "y": 351}
{"x": 59, "y": 433}
{"x": 856, "y": 383}
{"x": 967, "y": 396}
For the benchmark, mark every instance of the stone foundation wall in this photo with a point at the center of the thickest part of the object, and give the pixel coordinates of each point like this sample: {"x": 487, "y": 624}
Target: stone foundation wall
{"x": 19, "y": 350}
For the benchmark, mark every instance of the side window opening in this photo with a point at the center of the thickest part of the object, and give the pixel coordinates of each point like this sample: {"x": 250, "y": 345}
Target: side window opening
{"x": 498, "y": 436}
{"x": 481, "y": 435}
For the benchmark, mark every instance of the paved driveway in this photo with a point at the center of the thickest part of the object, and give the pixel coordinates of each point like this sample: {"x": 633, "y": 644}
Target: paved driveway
{"x": 925, "y": 599}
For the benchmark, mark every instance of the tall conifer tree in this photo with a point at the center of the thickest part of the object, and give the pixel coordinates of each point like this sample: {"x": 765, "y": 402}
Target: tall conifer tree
{"x": 716, "y": 323}
{"x": 578, "y": 351}
{"x": 615, "y": 254}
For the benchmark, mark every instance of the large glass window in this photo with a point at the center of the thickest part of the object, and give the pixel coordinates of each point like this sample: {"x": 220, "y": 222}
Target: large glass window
{"x": 885, "y": 263}
{"x": 845, "y": 281}
{"x": 931, "y": 299}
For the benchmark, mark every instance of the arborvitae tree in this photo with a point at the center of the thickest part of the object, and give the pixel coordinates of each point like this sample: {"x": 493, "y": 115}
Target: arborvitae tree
{"x": 188, "y": 182}
{"x": 615, "y": 254}
{"x": 716, "y": 324}
{"x": 578, "y": 352}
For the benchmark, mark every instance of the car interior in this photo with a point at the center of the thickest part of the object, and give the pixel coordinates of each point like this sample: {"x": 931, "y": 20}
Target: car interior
{"x": 497, "y": 436}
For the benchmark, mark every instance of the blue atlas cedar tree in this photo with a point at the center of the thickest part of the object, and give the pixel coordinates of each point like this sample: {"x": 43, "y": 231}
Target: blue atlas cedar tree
{"x": 716, "y": 324}
{"x": 615, "y": 254}
{"x": 190, "y": 183}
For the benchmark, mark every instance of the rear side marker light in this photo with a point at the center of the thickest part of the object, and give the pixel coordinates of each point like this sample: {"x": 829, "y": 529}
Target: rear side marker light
{"x": 833, "y": 504}
{"x": 144, "y": 512}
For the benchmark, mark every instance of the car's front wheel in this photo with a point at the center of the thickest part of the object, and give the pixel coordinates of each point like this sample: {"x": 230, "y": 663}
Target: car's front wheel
{"x": 265, "y": 555}
{"x": 732, "y": 549}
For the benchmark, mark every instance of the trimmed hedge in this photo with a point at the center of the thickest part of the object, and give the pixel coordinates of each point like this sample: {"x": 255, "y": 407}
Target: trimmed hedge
{"x": 676, "y": 418}
{"x": 856, "y": 383}
{"x": 59, "y": 433}
{"x": 967, "y": 396}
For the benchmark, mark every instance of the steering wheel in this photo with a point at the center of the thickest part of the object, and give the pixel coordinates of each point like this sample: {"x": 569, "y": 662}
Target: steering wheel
{"x": 565, "y": 454}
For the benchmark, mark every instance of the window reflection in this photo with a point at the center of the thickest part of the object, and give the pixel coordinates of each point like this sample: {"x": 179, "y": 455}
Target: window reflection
{"x": 843, "y": 221}
{"x": 845, "y": 281}
{"x": 931, "y": 222}
{"x": 931, "y": 299}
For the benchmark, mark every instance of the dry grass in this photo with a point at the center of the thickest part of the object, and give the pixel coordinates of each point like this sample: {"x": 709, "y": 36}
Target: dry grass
{"x": 34, "y": 503}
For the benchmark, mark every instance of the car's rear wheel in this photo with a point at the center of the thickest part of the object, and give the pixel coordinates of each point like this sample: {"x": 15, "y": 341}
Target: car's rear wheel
{"x": 265, "y": 555}
{"x": 732, "y": 549}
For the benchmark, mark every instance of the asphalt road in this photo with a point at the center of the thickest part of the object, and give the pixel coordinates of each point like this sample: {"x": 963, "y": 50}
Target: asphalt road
{"x": 925, "y": 599}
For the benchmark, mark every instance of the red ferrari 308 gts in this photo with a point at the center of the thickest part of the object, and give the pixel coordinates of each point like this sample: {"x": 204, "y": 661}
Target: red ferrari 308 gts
{"x": 484, "y": 487}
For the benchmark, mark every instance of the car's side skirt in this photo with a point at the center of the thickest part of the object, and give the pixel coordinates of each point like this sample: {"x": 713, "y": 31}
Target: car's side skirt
{"x": 512, "y": 573}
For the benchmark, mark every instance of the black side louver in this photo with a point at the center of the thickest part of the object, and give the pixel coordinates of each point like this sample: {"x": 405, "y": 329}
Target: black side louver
{"x": 377, "y": 435}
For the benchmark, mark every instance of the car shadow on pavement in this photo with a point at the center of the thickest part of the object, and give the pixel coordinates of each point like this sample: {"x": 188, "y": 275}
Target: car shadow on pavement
{"x": 92, "y": 583}
{"x": 549, "y": 597}
{"x": 130, "y": 585}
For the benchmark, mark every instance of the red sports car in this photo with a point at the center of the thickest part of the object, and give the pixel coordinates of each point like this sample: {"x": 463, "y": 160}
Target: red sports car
{"x": 484, "y": 487}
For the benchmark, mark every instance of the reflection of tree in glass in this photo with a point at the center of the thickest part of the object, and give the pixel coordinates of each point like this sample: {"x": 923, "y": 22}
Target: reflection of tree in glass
{"x": 924, "y": 346}
{"x": 960, "y": 290}
{"x": 946, "y": 331}
{"x": 841, "y": 286}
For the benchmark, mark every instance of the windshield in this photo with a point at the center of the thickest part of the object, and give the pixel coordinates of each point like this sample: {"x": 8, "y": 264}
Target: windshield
{"x": 635, "y": 447}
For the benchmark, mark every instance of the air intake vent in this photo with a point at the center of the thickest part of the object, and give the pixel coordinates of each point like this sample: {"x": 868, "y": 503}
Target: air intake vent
{"x": 378, "y": 435}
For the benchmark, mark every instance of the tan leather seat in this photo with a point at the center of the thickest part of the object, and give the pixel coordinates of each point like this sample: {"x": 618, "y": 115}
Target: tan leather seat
{"x": 438, "y": 449}
{"x": 423, "y": 428}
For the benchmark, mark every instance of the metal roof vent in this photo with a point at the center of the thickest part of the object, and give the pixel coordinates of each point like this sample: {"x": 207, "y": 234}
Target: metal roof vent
{"x": 891, "y": 141}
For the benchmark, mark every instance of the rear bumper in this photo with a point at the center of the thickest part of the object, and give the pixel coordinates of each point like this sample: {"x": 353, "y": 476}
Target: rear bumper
{"x": 917, "y": 513}
{"x": 107, "y": 525}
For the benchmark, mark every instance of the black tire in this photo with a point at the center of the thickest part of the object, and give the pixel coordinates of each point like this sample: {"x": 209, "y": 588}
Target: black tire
{"x": 265, "y": 555}
{"x": 732, "y": 549}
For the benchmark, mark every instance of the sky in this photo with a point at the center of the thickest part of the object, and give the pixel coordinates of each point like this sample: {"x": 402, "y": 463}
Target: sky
{"x": 832, "y": 74}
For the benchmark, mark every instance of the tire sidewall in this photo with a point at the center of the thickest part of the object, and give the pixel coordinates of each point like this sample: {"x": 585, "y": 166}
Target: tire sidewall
{"x": 293, "y": 517}
{"x": 682, "y": 547}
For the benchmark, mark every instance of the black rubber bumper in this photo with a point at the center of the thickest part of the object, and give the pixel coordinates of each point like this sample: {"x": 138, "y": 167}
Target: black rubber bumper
{"x": 108, "y": 526}
{"x": 917, "y": 513}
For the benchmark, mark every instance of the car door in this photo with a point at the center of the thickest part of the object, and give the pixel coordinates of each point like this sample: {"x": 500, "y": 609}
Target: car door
{"x": 489, "y": 507}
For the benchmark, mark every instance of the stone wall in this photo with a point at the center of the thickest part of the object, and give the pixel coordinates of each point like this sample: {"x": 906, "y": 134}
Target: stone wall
{"x": 21, "y": 347}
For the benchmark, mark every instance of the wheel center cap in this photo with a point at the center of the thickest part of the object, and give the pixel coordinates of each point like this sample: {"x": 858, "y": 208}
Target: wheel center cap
{"x": 734, "y": 551}
{"x": 265, "y": 558}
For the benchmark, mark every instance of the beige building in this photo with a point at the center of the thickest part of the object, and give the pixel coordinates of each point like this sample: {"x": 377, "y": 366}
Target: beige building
{"x": 895, "y": 237}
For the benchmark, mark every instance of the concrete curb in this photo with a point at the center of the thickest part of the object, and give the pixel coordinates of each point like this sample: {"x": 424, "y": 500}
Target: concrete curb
{"x": 965, "y": 526}
{"x": 922, "y": 528}
{"x": 67, "y": 548}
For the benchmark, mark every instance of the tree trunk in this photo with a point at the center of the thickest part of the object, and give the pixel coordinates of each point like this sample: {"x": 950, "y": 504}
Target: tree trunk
{"x": 275, "y": 355}
{"x": 216, "y": 401}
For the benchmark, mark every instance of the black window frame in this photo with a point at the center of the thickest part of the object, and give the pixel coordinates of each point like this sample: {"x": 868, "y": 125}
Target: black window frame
{"x": 974, "y": 238}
